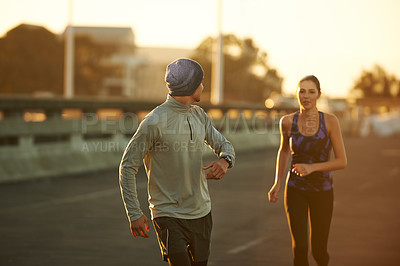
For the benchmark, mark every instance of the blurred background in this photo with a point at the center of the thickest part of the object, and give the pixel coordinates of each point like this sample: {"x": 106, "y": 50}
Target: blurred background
{"x": 84, "y": 73}
{"x": 77, "y": 77}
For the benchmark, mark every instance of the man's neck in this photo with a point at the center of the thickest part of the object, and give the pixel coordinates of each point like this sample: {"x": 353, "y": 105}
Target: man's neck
{"x": 184, "y": 99}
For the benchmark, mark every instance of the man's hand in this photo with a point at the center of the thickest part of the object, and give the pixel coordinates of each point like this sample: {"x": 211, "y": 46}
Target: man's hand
{"x": 140, "y": 227}
{"x": 218, "y": 169}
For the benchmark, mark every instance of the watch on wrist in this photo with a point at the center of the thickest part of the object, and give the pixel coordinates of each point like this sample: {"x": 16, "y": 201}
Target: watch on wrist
{"x": 228, "y": 159}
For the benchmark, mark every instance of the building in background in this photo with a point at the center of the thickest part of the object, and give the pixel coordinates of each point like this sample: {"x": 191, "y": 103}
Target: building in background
{"x": 141, "y": 69}
{"x": 151, "y": 85}
{"x": 119, "y": 45}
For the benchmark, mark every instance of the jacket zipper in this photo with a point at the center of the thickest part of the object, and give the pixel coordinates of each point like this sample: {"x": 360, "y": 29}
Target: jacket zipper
{"x": 190, "y": 128}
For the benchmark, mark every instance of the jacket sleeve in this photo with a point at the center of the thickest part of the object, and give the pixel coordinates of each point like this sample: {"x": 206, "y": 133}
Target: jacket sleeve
{"x": 136, "y": 150}
{"x": 216, "y": 141}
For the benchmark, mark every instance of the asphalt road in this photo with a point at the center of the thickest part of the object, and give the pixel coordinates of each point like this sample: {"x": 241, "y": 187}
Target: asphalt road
{"x": 80, "y": 220}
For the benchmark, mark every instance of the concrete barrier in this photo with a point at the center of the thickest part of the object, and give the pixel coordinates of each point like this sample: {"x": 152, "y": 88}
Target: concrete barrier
{"x": 55, "y": 137}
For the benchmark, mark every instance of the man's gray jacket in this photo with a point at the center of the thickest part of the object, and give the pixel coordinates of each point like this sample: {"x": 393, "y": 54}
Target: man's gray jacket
{"x": 170, "y": 141}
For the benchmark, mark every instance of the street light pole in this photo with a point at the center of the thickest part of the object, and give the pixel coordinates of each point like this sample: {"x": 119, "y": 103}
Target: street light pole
{"x": 69, "y": 56}
{"x": 217, "y": 77}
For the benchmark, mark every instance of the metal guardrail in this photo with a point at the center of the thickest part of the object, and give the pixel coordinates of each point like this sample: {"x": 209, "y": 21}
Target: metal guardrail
{"x": 101, "y": 118}
{"x": 54, "y": 136}
{"x": 9, "y": 103}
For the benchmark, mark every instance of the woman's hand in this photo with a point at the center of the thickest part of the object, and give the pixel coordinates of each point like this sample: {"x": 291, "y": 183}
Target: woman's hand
{"x": 273, "y": 193}
{"x": 302, "y": 169}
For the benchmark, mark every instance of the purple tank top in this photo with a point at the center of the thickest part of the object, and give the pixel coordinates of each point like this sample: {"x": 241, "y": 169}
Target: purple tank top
{"x": 310, "y": 149}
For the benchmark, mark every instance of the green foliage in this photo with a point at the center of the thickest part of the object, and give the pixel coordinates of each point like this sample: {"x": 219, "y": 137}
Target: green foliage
{"x": 247, "y": 76}
{"x": 377, "y": 83}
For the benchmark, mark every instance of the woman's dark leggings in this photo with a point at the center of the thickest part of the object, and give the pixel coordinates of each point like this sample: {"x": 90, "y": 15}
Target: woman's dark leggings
{"x": 319, "y": 207}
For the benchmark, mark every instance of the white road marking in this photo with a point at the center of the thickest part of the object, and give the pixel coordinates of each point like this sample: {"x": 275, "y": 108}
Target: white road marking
{"x": 394, "y": 172}
{"x": 365, "y": 185}
{"x": 391, "y": 152}
{"x": 246, "y": 246}
{"x": 77, "y": 198}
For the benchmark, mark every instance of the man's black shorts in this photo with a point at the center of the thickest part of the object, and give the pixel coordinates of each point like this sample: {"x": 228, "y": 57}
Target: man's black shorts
{"x": 184, "y": 235}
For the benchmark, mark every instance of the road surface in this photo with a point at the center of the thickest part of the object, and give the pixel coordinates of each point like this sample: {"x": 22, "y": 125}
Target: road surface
{"x": 80, "y": 220}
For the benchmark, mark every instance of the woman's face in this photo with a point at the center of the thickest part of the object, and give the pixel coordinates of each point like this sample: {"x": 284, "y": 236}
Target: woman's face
{"x": 307, "y": 94}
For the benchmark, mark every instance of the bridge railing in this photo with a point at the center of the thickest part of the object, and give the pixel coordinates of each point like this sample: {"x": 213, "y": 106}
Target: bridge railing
{"x": 56, "y": 136}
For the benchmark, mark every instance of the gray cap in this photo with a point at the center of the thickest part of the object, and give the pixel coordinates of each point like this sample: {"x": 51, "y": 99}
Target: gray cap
{"x": 183, "y": 76}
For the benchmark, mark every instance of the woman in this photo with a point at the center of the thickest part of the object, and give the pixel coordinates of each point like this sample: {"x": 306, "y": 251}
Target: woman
{"x": 309, "y": 135}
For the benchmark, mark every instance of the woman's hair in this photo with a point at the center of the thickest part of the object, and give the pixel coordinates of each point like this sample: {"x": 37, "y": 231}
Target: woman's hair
{"x": 313, "y": 79}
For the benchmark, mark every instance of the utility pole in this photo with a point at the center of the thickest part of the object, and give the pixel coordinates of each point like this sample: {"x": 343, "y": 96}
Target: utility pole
{"x": 69, "y": 56}
{"x": 217, "y": 77}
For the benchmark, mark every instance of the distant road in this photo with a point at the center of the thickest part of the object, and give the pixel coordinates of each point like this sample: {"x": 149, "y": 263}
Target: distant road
{"x": 80, "y": 220}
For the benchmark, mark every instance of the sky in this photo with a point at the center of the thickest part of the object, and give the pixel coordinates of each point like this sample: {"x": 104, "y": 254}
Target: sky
{"x": 333, "y": 39}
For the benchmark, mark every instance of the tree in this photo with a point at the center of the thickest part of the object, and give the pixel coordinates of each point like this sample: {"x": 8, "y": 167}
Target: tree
{"x": 31, "y": 59}
{"x": 247, "y": 76}
{"x": 377, "y": 83}
{"x": 89, "y": 68}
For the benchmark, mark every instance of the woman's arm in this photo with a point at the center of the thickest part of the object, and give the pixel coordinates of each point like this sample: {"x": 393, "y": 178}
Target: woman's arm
{"x": 282, "y": 158}
{"x": 340, "y": 160}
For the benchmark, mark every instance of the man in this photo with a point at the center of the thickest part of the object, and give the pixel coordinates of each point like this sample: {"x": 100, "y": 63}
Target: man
{"x": 170, "y": 141}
